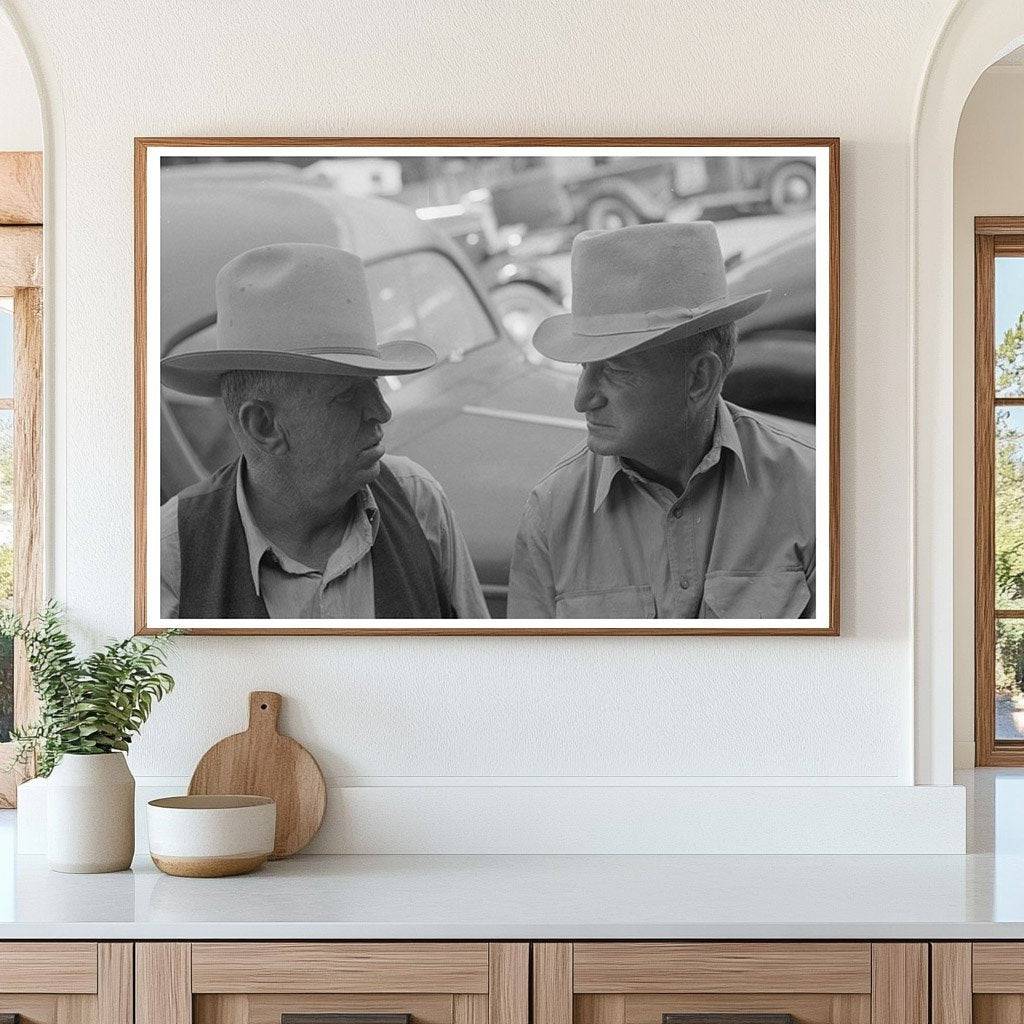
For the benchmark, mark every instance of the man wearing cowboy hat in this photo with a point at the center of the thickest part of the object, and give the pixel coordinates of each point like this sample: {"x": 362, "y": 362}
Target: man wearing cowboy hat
{"x": 680, "y": 505}
{"x": 313, "y": 520}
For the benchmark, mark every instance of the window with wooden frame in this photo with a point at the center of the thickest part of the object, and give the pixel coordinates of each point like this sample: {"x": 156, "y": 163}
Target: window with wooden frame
{"x": 21, "y": 350}
{"x": 999, "y": 490}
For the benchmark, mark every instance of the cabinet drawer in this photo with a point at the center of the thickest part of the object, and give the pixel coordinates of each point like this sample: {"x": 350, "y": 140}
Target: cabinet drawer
{"x": 66, "y": 982}
{"x": 737, "y": 982}
{"x": 48, "y": 967}
{"x": 261, "y": 982}
{"x": 998, "y": 967}
{"x": 340, "y": 967}
{"x": 634, "y": 967}
{"x": 981, "y": 982}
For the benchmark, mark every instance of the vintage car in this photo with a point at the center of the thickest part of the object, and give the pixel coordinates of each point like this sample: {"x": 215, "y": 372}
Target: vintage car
{"x": 643, "y": 190}
{"x": 522, "y": 291}
{"x": 488, "y": 421}
{"x": 774, "y": 369}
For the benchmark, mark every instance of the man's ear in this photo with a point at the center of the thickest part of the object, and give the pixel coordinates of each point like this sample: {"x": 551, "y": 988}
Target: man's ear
{"x": 705, "y": 378}
{"x": 261, "y": 427}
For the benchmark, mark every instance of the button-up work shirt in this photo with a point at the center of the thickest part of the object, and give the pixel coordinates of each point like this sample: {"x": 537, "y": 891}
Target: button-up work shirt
{"x": 598, "y": 540}
{"x": 344, "y": 590}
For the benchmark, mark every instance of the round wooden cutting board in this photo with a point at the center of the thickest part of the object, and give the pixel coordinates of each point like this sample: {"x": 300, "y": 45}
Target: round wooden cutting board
{"x": 262, "y": 762}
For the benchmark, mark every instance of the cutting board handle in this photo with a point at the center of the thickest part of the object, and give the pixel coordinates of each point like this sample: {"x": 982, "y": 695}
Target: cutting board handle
{"x": 264, "y": 709}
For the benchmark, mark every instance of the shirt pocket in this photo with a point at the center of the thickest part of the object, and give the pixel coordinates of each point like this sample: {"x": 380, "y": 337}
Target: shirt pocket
{"x": 776, "y": 594}
{"x": 616, "y": 603}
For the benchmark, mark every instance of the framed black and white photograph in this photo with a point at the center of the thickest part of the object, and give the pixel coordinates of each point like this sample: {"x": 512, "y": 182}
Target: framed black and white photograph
{"x": 482, "y": 386}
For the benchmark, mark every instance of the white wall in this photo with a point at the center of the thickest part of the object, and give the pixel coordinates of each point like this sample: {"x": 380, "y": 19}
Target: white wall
{"x": 442, "y": 713}
{"x": 988, "y": 181}
{"x": 21, "y": 125}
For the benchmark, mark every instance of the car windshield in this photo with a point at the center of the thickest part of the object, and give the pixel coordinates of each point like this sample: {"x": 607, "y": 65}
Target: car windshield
{"x": 423, "y": 296}
{"x": 416, "y": 296}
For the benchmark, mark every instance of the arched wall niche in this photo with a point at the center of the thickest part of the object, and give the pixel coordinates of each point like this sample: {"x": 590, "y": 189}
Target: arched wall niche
{"x": 975, "y": 35}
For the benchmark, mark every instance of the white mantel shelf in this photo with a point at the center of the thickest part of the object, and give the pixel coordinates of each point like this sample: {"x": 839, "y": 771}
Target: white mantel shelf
{"x": 531, "y": 897}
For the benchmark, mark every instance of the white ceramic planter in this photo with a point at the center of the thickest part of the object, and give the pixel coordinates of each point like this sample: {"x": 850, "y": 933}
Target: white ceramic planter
{"x": 90, "y": 814}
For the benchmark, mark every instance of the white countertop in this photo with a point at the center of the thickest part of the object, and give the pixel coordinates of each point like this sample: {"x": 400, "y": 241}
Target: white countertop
{"x": 977, "y": 896}
{"x": 532, "y": 897}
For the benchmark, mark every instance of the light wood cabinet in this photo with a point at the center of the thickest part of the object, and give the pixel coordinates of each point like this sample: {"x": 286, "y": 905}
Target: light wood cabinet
{"x": 66, "y": 982}
{"x": 650, "y": 982}
{"x": 979, "y": 982}
{"x": 496, "y": 983}
{"x": 260, "y": 982}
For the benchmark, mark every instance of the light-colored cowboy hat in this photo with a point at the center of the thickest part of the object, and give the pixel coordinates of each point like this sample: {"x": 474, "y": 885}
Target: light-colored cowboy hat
{"x": 297, "y": 308}
{"x": 642, "y": 286}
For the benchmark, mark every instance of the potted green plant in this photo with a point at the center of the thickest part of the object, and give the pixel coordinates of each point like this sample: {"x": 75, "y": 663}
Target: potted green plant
{"x": 89, "y": 709}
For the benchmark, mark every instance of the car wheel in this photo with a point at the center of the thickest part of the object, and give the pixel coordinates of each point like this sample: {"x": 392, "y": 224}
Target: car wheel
{"x": 522, "y": 307}
{"x": 791, "y": 188}
{"x": 609, "y": 213}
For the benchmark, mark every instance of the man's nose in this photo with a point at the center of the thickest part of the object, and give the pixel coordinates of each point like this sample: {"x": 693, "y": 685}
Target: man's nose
{"x": 588, "y": 395}
{"x": 375, "y": 408}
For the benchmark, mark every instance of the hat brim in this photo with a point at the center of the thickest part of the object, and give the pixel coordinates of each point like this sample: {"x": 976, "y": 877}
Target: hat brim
{"x": 199, "y": 373}
{"x": 556, "y": 339}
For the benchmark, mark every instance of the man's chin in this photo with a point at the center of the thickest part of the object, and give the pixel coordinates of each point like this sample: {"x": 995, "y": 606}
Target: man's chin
{"x": 373, "y": 470}
{"x": 365, "y": 473}
{"x": 601, "y": 445}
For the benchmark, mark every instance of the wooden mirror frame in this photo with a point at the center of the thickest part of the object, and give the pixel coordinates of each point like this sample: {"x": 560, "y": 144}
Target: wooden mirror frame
{"x": 21, "y": 272}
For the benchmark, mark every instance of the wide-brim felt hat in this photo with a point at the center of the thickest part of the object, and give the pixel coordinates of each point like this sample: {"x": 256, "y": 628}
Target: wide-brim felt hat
{"x": 293, "y": 308}
{"x": 642, "y": 286}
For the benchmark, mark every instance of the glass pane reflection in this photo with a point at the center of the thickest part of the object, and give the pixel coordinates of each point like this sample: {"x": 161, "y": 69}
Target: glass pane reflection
{"x": 1009, "y": 679}
{"x": 1009, "y": 510}
{"x": 1009, "y": 327}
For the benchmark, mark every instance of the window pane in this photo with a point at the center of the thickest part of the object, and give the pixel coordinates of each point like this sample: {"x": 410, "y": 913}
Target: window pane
{"x": 1009, "y": 484}
{"x": 6, "y": 567}
{"x": 424, "y": 297}
{"x": 1009, "y": 679}
{"x": 1009, "y": 324}
{"x": 6, "y": 348}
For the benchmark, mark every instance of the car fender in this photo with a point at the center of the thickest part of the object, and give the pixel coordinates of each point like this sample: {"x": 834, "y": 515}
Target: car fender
{"x": 640, "y": 202}
{"x": 774, "y": 371}
{"x": 497, "y": 274}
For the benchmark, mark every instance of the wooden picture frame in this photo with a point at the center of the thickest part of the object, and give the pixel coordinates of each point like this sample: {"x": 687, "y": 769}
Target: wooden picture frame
{"x": 824, "y": 152}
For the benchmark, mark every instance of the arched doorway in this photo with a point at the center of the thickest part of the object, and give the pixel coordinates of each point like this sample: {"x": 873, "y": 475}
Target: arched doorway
{"x": 976, "y": 34}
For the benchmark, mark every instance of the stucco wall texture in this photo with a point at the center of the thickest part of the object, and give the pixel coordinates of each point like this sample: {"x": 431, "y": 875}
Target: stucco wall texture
{"x": 807, "y": 711}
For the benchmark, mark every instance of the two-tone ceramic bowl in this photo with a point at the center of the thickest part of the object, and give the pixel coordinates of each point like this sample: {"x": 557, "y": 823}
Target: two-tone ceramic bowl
{"x": 211, "y": 836}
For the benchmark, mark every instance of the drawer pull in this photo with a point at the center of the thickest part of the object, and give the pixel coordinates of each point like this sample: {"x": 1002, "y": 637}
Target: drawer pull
{"x": 341, "y": 1018}
{"x": 728, "y": 1018}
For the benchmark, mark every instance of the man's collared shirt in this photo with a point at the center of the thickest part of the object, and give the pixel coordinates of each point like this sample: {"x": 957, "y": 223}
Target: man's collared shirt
{"x": 598, "y": 540}
{"x": 344, "y": 590}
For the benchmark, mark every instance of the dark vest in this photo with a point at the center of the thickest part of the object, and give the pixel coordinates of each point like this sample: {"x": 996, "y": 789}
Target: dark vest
{"x": 216, "y": 582}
